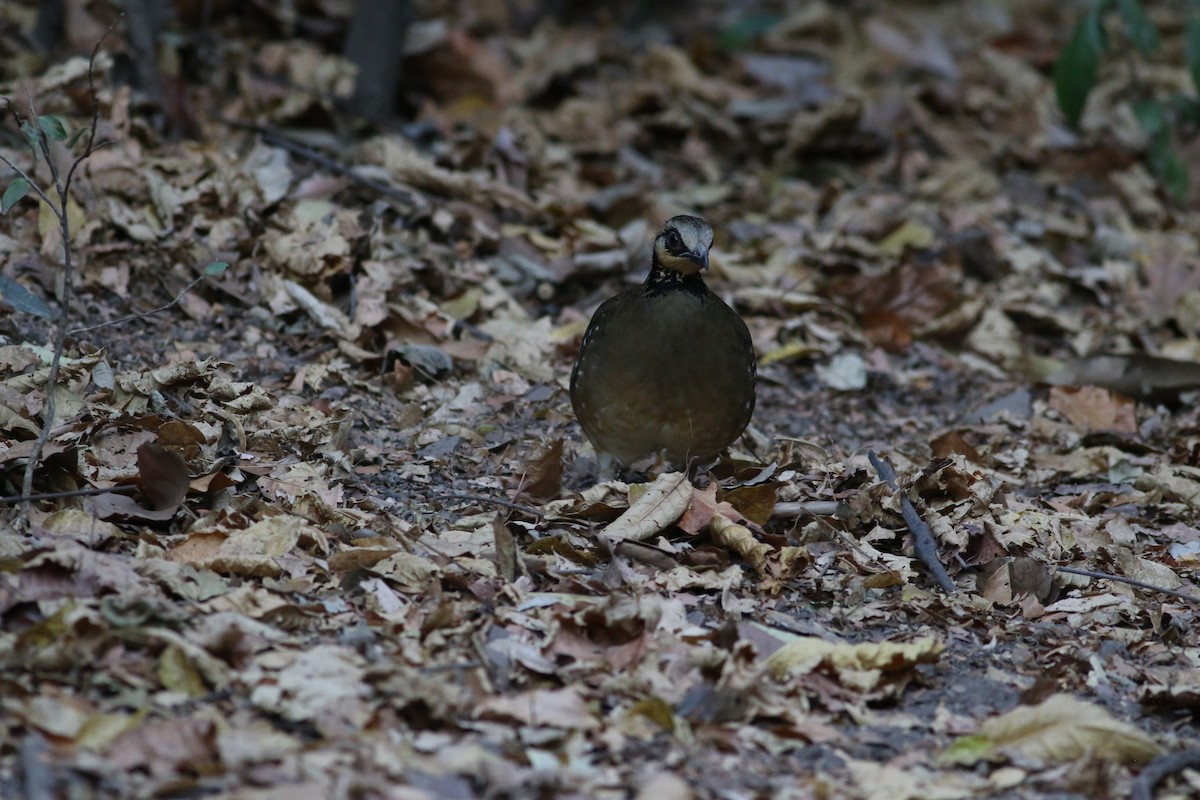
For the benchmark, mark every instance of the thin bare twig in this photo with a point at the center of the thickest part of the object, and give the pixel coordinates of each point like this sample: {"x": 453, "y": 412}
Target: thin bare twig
{"x": 62, "y": 188}
{"x": 13, "y": 499}
{"x": 494, "y": 501}
{"x": 1161, "y": 767}
{"x": 140, "y": 314}
{"x": 1087, "y": 573}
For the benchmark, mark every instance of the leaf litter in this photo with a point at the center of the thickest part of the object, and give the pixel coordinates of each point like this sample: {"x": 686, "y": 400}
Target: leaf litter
{"x": 358, "y": 547}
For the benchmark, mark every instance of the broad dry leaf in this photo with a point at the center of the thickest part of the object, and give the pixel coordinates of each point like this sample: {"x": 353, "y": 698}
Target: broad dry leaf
{"x": 11, "y": 422}
{"x": 1175, "y": 481}
{"x": 1059, "y": 729}
{"x": 1094, "y": 409}
{"x": 557, "y": 708}
{"x": 178, "y": 674}
{"x": 409, "y": 572}
{"x": 662, "y": 504}
{"x": 859, "y": 665}
{"x": 163, "y": 746}
{"x": 664, "y": 786}
{"x": 912, "y": 233}
{"x": 1007, "y": 579}
{"x": 79, "y": 524}
{"x": 909, "y": 782}
{"x": 996, "y": 336}
{"x": 1145, "y": 570}
{"x": 313, "y": 684}
{"x": 253, "y": 551}
{"x": 163, "y": 475}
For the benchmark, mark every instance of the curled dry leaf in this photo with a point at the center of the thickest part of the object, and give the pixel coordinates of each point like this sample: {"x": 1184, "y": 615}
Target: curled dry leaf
{"x": 163, "y": 476}
{"x": 740, "y": 539}
{"x": 508, "y": 558}
{"x": 702, "y": 506}
{"x": 1006, "y": 580}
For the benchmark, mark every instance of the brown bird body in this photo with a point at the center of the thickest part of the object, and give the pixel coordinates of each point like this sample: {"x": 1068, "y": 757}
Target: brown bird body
{"x": 666, "y": 367}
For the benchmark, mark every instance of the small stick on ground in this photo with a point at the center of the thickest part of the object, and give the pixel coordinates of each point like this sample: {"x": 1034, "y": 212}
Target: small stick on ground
{"x": 1150, "y": 587}
{"x": 493, "y": 501}
{"x": 1160, "y": 768}
{"x": 923, "y": 543}
{"x": 13, "y": 499}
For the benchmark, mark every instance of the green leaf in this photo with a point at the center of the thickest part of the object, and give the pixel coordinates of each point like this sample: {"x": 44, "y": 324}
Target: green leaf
{"x": 1138, "y": 27}
{"x": 52, "y": 127}
{"x": 22, "y": 299}
{"x": 1169, "y": 167}
{"x": 1191, "y": 49}
{"x": 1165, "y": 163}
{"x": 215, "y": 268}
{"x": 1078, "y": 66}
{"x": 967, "y": 750}
{"x": 1187, "y": 110}
{"x": 1152, "y": 118}
{"x": 741, "y": 33}
{"x": 32, "y": 134}
{"x": 13, "y": 194}
{"x": 75, "y": 137}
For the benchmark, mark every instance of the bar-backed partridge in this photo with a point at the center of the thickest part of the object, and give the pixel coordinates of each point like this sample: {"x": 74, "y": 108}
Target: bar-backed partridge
{"x": 666, "y": 367}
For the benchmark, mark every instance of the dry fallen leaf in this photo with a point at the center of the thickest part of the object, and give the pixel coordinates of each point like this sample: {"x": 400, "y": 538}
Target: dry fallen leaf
{"x": 861, "y": 666}
{"x": 1094, "y": 409}
{"x": 661, "y": 506}
{"x": 1004, "y": 580}
{"x": 1061, "y": 728}
{"x": 740, "y": 540}
{"x": 561, "y": 708}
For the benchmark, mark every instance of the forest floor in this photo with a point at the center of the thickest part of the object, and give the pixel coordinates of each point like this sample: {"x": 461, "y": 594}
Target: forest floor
{"x": 359, "y": 549}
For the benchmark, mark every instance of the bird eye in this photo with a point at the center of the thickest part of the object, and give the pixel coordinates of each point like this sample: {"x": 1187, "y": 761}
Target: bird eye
{"x": 674, "y": 243}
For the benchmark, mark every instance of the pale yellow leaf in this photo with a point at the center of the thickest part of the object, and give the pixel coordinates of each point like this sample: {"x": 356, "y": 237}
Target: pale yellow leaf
{"x": 661, "y": 505}
{"x": 1059, "y": 729}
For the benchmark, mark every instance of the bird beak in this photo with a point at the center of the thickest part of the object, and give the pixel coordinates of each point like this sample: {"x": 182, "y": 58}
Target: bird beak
{"x": 699, "y": 257}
